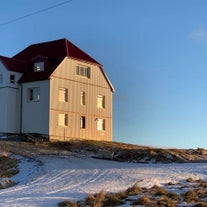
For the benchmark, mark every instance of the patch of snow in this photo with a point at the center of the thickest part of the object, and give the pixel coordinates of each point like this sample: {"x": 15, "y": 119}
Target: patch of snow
{"x": 63, "y": 178}
{"x": 3, "y": 137}
{"x": 29, "y": 168}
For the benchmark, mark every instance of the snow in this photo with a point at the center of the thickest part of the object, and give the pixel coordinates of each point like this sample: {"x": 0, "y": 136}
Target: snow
{"x": 46, "y": 180}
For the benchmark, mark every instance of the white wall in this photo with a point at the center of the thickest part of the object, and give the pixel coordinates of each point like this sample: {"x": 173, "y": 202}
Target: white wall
{"x": 35, "y": 115}
{"x": 10, "y": 94}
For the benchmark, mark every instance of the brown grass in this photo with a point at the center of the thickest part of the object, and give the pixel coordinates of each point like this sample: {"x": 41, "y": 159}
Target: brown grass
{"x": 114, "y": 199}
{"x": 190, "y": 196}
{"x": 144, "y": 200}
{"x": 201, "y": 204}
{"x": 68, "y": 204}
{"x": 158, "y": 191}
{"x": 153, "y": 197}
{"x": 8, "y": 167}
{"x": 134, "y": 190}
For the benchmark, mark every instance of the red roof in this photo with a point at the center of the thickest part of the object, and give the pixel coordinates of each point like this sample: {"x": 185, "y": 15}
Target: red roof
{"x": 13, "y": 64}
{"x": 52, "y": 53}
{"x": 55, "y": 52}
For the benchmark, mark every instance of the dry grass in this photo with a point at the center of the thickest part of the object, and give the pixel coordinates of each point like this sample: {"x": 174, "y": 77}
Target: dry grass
{"x": 144, "y": 201}
{"x": 8, "y": 167}
{"x": 158, "y": 191}
{"x": 134, "y": 190}
{"x": 68, "y": 204}
{"x": 201, "y": 204}
{"x": 114, "y": 199}
{"x": 121, "y": 151}
{"x": 165, "y": 201}
{"x": 95, "y": 200}
{"x": 191, "y": 194}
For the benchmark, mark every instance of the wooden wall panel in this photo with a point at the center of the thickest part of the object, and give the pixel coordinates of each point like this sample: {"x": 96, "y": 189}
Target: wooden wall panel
{"x": 65, "y": 77}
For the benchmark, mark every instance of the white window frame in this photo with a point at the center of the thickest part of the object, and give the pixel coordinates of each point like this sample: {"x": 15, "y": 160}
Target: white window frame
{"x": 33, "y": 94}
{"x": 82, "y": 122}
{"x": 63, "y": 120}
{"x": 83, "y": 71}
{"x": 39, "y": 66}
{"x": 100, "y": 124}
{"x": 63, "y": 94}
{"x": 83, "y": 98}
{"x": 101, "y": 102}
{"x": 12, "y": 78}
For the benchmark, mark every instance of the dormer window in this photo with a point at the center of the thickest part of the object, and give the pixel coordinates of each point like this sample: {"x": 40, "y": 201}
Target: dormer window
{"x": 12, "y": 78}
{"x": 39, "y": 66}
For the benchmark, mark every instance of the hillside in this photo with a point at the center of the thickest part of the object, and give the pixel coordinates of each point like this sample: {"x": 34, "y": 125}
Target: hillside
{"x": 105, "y": 150}
{"x": 49, "y": 174}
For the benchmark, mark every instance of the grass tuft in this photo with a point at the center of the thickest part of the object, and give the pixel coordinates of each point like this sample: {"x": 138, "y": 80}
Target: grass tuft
{"x": 190, "y": 196}
{"x": 68, "y": 204}
{"x": 134, "y": 190}
{"x": 114, "y": 199}
{"x": 158, "y": 191}
{"x": 144, "y": 201}
{"x": 165, "y": 201}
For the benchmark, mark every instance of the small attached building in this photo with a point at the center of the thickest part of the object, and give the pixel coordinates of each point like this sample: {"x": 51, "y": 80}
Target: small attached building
{"x": 60, "y": 91}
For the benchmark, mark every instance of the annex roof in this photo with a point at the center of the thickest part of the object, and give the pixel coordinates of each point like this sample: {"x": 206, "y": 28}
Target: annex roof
{"x": 13, "y": 64}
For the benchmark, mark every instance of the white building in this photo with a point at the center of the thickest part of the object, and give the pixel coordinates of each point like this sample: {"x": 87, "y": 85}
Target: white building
{"x": 56, "y": 89}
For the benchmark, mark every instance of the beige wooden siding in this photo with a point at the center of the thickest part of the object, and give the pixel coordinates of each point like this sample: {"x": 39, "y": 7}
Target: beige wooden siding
{"x": 65, "y": 77}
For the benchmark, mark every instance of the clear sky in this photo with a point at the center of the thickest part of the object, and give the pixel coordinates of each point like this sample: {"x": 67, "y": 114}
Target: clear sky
{"x": 154, "y": 52}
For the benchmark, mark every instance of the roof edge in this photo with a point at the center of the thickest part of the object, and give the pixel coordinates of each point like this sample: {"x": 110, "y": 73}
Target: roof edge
{"x": 107, "y": 79}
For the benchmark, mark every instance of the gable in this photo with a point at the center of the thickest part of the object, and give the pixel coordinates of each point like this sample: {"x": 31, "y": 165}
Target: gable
{"x": 68, "y": 70}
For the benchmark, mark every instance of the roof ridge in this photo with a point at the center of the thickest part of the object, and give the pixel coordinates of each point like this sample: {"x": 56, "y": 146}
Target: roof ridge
{"x": 86, "y": 54}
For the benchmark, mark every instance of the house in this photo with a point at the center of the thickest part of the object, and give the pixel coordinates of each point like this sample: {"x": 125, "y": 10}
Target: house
{"x": 55, "y": 89}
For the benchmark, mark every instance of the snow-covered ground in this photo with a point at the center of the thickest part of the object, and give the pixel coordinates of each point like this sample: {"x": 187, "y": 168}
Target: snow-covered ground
{"x": 47, "y": 180}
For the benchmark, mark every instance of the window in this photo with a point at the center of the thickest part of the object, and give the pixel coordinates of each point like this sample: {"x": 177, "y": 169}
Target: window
{"x": 1, "y": 78}
{"x": 83, "y": 98}
{"x": 39, "y": 66}
{"x": 33, "y": 94}
{"x": 63, "y": 120}
{"x": 100, "y": 124}
{"x": 83, "y": 122}
{"x": 83, "y": 71}
{"x": 12, "y": 78}
{"x": 63, "y": 94}
{"x": 101, "y": 101}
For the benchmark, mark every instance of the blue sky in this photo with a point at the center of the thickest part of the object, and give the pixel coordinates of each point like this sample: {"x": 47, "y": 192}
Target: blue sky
{"x": 154, "y": 52}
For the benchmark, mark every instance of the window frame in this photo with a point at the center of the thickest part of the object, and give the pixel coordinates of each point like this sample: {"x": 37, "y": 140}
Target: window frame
{"x": 39, "y": 66}
{"x": 83, "y": 98}
{"x": 82, "y": 122}
{"x": 63, "y": 94}
{"x": 62, "y": 119}
{"x": 83, "y": 71}
{"x": 101, "y": 102}
{"x": 101, "y": 124}
{"x": 12, "y": 78}
{"x": 33, "y": 94}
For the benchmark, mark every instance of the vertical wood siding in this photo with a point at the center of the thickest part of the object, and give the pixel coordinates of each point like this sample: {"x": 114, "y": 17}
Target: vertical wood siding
{"x": 65, "y": 77}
